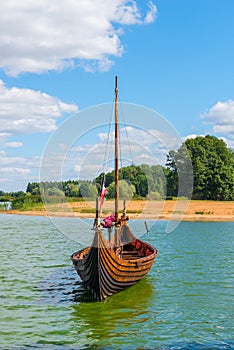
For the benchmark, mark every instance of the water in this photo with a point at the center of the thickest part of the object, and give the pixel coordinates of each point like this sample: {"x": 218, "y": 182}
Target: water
{"x": 185, "y": 302}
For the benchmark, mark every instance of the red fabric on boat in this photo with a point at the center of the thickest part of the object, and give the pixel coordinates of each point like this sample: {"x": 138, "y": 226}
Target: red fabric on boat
{"x": 107, "y": 222}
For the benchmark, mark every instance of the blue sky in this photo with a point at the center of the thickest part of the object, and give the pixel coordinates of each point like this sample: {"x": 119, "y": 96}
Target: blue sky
{"x": 172, "y": 56}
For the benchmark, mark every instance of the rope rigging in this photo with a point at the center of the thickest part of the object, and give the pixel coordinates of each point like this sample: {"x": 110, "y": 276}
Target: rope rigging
{"x": 123, "y": 139}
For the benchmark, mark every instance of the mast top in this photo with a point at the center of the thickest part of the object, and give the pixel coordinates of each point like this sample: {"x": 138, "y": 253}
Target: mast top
{"x": 116, "y": 152}
{"x": 116, "y": 82}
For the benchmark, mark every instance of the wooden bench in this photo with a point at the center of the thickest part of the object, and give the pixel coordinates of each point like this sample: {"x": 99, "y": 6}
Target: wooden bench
{"x": 131, "y": 254}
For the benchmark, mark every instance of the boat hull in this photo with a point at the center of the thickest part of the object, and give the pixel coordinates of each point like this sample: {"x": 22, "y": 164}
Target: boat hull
{"x": 108, "y": 270}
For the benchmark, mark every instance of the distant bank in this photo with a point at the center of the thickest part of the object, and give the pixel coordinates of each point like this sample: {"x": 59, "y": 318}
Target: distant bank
{"x": 199, "y": 210}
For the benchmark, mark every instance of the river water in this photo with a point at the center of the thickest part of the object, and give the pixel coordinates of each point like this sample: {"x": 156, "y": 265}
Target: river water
{"x": 185, "y": 302}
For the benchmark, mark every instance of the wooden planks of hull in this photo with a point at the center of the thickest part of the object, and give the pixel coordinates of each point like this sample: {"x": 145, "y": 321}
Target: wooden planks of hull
{"x": 107, "y": 270}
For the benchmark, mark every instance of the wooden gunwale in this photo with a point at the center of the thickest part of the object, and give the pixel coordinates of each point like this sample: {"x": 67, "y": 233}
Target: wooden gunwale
{"x": 122, "y": 265}
{"x": 121, "y": 262}
{"x": 119, "y": 269}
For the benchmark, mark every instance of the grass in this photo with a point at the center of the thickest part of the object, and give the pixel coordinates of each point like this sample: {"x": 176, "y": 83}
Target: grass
{"x": 204, "y": 213}
{"x": 86, "y": 210}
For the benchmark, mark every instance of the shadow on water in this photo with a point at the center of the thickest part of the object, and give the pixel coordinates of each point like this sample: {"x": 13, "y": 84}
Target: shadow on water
{"x": 64, "y": 286}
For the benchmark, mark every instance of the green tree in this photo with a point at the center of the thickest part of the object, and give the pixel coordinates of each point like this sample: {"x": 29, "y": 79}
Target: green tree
{"x": 144, "y": 178}
{"x": 171, "y": 175}
{"x": 213, "y": 168}
{"x": 33, "y": 188}
{"x": 71, "y": 189}
{"x": 88, "y": 190}
{"x": 159, "y": 180}
{"x": 126, "y": 190}
{"x": 55, "y": 191}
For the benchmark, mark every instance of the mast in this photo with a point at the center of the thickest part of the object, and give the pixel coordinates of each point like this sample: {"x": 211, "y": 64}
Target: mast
{"x": 116, "y": 153}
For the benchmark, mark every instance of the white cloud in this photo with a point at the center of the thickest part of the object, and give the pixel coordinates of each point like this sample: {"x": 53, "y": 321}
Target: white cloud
{"x": 16, "y": 171}
{"x": 13, "y": 144}
{"x": 148, "y": 138}
{"x": 224, "y": 129}
{"x": 229, "y": 143}
{"x": 191, "y": 136}
{"x": 132, "y": 133}
{"x": 136, "y": 146}
{"x": 38, "y": 36}
{"x": 6, "y": 160}
{"x": 3, "y": 136}
{"x": 221, "y": 115}
{"x": 151, "y": 15}
{"x": 29, "y": 111}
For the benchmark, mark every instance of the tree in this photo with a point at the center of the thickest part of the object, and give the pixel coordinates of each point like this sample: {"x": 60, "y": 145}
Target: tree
{"x": 88, "y": 190}
{"x": 213, "y": 165}
{"x": 143, "y": 178}
{"x": 142, "y": 184}
{"x": 213, "y": 168}
{"x": 126, "y": 190}
{"x": 71, "y": 189}
{"x": 55, "y": 191}
{"x": 33, "y": 188}
{"x": 159, "y": 179}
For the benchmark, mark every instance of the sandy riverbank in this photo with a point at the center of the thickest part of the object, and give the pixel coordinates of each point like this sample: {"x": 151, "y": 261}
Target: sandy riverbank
{"x": 156, "y": 210}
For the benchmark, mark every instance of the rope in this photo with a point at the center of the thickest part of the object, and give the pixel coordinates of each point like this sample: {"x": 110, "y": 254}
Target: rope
{"x": 104, "y": 168}
{"x": 130, "y": 150}
{"x": 106, "y": 153}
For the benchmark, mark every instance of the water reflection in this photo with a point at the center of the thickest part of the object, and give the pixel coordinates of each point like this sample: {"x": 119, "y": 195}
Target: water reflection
{"x": 96, "y": 323}
{"x": 107, "y": 319}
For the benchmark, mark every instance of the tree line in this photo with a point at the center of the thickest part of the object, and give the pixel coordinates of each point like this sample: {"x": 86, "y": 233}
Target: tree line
{"x": 212, "y": 171}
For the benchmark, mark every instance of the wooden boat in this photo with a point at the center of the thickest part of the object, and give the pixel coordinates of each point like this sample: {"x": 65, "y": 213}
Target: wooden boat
{"x": 111, "y": 265}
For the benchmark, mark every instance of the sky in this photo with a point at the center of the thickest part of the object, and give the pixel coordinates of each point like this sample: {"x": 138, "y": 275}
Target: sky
{"x": 59, "y": 58}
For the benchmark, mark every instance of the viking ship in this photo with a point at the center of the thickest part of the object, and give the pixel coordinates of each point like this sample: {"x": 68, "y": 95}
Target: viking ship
{"x": 110, "y": 265}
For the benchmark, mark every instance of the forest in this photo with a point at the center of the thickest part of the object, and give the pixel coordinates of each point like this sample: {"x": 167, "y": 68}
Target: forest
{"x": 203, "y": 165}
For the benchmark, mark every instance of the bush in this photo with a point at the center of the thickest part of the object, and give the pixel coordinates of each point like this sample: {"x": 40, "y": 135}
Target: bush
{"x": 154, "y": 196}
{"x": 26, "y": 202}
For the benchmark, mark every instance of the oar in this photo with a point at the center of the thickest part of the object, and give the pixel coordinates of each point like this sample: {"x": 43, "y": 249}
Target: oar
{"x": 146, "y": 226}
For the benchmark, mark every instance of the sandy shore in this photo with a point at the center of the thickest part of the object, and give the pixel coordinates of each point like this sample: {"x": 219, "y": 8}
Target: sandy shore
{"x": 155, "y": 210}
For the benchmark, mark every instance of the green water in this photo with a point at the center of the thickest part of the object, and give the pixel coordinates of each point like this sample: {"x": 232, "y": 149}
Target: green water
{"x": 186, "y": 301}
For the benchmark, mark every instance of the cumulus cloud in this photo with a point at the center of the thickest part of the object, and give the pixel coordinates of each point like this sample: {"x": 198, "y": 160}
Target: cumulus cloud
{"x": 38, "y": 36}
{"x": 229, "y": 142}
{"x": 17, "y": 171}
{"x": 151, "y": 15}
{"x": 221, "y": 115}
{"x": 191, "y": 136}
{"x": 11, "y": 161}
{"x": 3, "y": 136}
{"x": 13, "y": 144}
{"x": 142, "y": 146}
{"x": 29, "y": 111}
{"x": 149, "y": 138}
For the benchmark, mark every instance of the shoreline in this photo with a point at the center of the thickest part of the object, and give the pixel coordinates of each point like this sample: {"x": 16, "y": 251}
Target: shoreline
{"x": 173, "y": 210}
